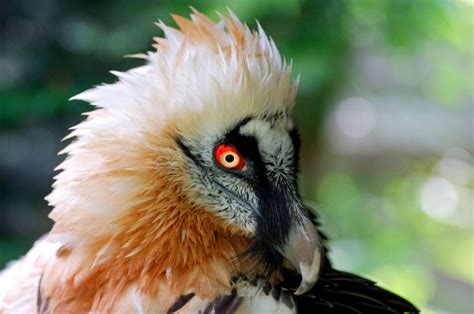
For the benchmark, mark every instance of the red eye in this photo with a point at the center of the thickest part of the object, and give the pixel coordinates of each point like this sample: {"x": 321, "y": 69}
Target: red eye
{"x": 228, "y": 157}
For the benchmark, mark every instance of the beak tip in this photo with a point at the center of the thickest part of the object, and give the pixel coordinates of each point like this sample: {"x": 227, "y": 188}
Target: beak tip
{"x": 309, "y": 273}
{"x": 304, "y": 251}
{"x": 303, "y": 288}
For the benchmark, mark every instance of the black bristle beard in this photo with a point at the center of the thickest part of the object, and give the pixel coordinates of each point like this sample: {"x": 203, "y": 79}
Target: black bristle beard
{"x": 265, "y": 260}
{"x": 273, "y": 226}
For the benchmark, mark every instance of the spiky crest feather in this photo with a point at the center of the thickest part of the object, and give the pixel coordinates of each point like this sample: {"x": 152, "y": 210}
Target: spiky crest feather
{"x": 121, "y": 213}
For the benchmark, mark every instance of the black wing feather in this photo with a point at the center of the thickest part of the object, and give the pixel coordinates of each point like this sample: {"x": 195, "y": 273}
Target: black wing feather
{"x": 342, "y": 292}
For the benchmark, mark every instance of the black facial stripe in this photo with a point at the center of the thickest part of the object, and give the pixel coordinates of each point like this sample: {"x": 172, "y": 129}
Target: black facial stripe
{"x": 273, "y": 223}
{"x": 275, "y": 217}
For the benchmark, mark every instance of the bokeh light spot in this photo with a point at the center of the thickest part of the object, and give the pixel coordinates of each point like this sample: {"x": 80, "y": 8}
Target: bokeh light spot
{"x": 355, "y": 117}
{"x": 438, "y": 198}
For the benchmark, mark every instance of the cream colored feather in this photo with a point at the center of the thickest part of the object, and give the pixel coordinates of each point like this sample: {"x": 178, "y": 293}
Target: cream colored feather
{"x": 119, "y": 199}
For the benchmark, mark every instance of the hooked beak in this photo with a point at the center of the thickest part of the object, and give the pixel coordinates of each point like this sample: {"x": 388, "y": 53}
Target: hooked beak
{"x": 304, "y": 251}
{"x": 285, "y": 228}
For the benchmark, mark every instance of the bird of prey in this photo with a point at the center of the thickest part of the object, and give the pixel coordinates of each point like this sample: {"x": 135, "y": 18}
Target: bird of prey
{"x": 179, "y": 193}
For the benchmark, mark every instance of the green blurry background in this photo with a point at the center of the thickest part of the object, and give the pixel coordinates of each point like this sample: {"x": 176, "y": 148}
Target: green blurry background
{"x": 385, "y": 110}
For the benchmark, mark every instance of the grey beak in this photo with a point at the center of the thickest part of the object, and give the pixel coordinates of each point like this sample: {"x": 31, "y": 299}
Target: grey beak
{"x": 304, "y": 251}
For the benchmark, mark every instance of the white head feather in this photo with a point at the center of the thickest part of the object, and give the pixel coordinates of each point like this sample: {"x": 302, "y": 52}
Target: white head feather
{"x": 203, "y": 70}
{"x": 200, "y": 80}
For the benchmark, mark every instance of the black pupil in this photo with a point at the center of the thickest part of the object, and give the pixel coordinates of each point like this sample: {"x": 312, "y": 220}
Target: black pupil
{"x": 229, "y": 158}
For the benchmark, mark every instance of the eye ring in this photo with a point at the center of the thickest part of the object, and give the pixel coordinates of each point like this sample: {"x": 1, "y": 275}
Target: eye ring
{"x": 228, "y": 157}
